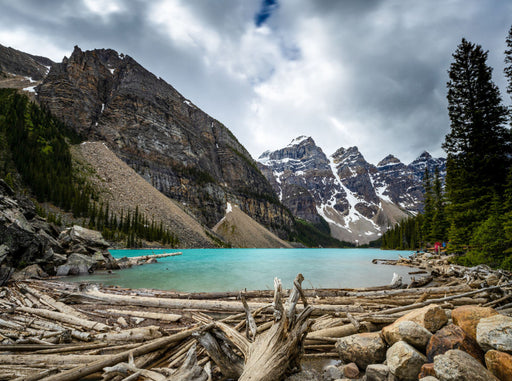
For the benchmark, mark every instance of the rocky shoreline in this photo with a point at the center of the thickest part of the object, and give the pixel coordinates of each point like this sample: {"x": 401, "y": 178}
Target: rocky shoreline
{"x": 457, "y": 326}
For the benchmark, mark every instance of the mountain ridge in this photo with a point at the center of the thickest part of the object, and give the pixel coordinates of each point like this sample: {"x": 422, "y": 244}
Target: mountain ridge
{"x": 183, "y": 152}
{"x": 359, "y": 200}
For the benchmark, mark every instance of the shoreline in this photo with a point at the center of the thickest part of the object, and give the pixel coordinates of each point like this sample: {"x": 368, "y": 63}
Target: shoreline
{"x": 39, "y": 315}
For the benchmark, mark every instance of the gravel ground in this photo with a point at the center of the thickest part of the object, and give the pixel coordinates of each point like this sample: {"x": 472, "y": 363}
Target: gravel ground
{"x": 124, "y": 189}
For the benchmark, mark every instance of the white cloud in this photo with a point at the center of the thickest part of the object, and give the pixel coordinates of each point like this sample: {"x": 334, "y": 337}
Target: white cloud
{"x": 104, "y": 8}
{"x": 182, "y": 26}
{"x": 33, "y": 43}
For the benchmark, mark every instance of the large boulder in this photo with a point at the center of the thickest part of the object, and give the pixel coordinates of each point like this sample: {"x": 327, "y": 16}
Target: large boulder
{"x": 467, "y": 317}
{"x": 453, "y": 337}
{"x": 457, "y": 365}
{"x": 495, "y": 332}
{"x": 77, "y": 264}
{"x": 408, "y": 331}
{"x": 362, "y": 348}
{"x": 25, "y": 238}
{"x": 431, "y": 317}
{"x": 86, "y": 237}
{"x": 30, "y": 272}
{"x": 500, "y": 364}
{"x": 404, "y": 361}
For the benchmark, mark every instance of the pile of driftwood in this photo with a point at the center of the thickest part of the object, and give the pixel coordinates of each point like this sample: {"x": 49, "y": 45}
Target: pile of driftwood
{"x": 59, "y": 331}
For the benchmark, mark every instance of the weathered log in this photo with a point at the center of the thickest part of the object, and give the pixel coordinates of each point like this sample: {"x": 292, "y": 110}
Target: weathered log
{"x": 131, "y": 335}
{"x": 205, "y": 305}
{"x": 189, "y": 371}
{"x": 51, "y": 302}
{"x": 96, "y": 366}
{"x": 251, "y": 328}
{"x": 46, "y": 360}
{"x": 83, "y": 336}
{"x": 440, "y": 300}
{"x": 147, "y": 315}
{"x": 229, "y": 363}
{"x": 278, "y": 349}
{"x": 342, "y": 331}
{"x": 38, "y": 376}
{"x": 65, "y": 318}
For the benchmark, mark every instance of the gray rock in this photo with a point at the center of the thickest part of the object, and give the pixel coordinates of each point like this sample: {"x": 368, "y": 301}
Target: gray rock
{"x": 410, "y": 332}
{"x": 362, "y": 348}
{"x": 404, "y": 361}
{"x": 4, "y": 250}
{"x": 88, "y": 237}
{"x": 456, "y": 365}
{"x": 5, "y": 274}
{"x": 429, "y": 378}
{"x": 30, "y": 272}
{"x": 495, "y": 332}
{"x": 377, "y": 372}
{"x": 76, "y": 264}
{"x": 331, "y": 373}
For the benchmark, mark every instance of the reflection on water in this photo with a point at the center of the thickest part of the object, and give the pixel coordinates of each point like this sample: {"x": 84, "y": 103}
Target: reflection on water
{"x": 254, "y": 269}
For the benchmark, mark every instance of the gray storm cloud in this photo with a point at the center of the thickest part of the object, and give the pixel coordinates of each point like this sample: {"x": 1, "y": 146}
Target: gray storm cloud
{"x": 365, "y": 73}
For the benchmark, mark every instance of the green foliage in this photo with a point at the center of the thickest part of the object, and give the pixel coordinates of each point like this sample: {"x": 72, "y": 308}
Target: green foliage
{"x": 478, "y": 145}
{"x": 479, "y": 195}
{"x": 315, "y": 236}
{"x": 428, "y": 213}
{"x": 406, "y": 235}
{"x": 131, "y": 227}
{"x": 439, "y": 226}
{"x": 39, "y": 148}
{"x": 418, "y": 231}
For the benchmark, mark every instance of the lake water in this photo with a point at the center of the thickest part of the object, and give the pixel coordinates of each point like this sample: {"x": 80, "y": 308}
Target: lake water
{"x": 254, "y": 269}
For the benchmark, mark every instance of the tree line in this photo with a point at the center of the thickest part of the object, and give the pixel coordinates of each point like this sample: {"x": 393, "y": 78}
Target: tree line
{"x": 39, "y": 146}
{"x": 473, "y": 213}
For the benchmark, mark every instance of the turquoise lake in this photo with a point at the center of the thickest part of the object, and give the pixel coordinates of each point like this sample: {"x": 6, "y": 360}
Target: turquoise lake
{"x": 253, "y": 269}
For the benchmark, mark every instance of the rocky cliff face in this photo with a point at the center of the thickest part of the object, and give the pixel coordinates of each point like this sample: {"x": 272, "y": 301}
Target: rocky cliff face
{"x": 175, "y": 146}
{"x": 28, "y": 240}
{"x": 15, "y": 62}
{"x": 358, "y": 200}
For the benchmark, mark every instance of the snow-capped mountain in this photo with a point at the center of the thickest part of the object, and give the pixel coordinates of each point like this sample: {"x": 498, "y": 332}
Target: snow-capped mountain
{"x": 358, "y": 200}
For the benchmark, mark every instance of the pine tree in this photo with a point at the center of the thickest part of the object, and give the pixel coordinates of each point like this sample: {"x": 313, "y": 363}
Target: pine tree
{"x": 439, "y": 223}
{"x": 508, "y": 61}
{"x": 477, "y": 144}
{"x": 428, "y": 213}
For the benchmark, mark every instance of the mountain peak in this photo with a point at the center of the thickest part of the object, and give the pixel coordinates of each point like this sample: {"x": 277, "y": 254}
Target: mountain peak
{"x": 388, "y": 160}
{"x": 424, "y": 156}
{"x": 301, "y": 140}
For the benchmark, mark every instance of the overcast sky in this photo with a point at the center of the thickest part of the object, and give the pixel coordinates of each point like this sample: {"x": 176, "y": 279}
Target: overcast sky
{"x": 369, "y": 73}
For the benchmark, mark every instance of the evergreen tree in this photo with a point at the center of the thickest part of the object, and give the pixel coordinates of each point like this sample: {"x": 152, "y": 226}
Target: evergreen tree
{"x": 439, "y": 224}
{"x": 477, "y": 144}
{"x": 508, "y": 61}
{"x": 428, "y": 209}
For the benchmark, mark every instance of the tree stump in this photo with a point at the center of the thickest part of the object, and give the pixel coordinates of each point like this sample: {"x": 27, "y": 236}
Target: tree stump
{"x": 273, "y": 353}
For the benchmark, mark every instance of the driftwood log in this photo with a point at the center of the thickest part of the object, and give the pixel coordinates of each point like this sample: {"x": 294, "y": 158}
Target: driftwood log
{"x": 271, "y": 354}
